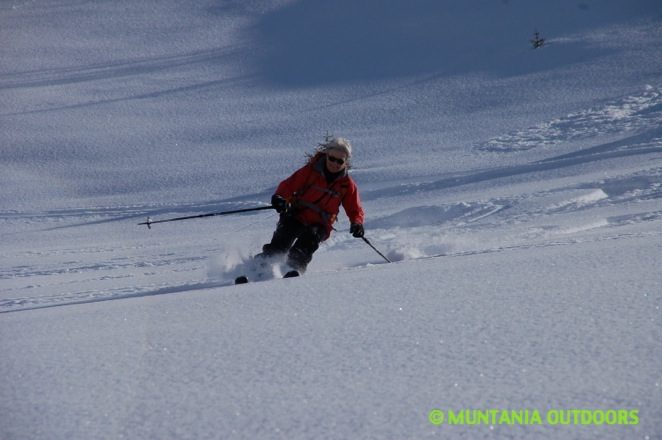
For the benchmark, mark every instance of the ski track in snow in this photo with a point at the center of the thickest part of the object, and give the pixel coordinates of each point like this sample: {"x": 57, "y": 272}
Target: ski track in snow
{"x": 538, "y": 219}
{"x": 76, "y": 298}
{"x": 633, "y": 114}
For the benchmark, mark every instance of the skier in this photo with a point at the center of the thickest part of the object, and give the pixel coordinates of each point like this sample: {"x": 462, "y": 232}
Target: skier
{"x": 309, "y": 201}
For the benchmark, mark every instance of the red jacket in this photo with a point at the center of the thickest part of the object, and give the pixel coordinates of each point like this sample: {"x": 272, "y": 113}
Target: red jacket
{"x": 318, "y": 202}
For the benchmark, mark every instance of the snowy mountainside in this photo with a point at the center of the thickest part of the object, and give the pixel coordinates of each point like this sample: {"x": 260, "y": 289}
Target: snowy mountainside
{"x": 518, "y": 192}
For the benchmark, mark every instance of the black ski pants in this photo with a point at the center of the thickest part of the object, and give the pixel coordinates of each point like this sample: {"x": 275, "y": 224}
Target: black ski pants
{"x": 298, "y": 240}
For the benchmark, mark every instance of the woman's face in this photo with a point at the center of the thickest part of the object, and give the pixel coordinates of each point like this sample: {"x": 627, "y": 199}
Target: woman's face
{"x": 336, "y": 161}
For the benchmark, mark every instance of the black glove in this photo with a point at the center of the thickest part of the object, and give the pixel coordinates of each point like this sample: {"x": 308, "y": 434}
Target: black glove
{"x": 279, "y": 204}
{"x": 356, "y": 229}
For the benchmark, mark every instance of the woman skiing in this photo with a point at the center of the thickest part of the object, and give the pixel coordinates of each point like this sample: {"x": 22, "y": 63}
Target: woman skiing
{"x": 309, "y": 201}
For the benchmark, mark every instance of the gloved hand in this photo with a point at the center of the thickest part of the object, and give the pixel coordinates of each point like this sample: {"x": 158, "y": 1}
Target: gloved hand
{"x": 279, "y": 203}
{"x": 356, "y": 229}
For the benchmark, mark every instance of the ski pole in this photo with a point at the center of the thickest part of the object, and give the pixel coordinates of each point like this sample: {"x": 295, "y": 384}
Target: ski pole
{"x": 375, "y": 249}
{"x": 150, "y": 222}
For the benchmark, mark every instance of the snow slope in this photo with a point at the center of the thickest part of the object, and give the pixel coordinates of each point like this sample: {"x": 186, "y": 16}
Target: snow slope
{"x": 518, "y": 191}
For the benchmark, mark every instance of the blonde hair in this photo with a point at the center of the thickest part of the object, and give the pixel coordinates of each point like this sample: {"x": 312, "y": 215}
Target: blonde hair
{"x": 338, "y": 144}
{"x": 332, "y": 143}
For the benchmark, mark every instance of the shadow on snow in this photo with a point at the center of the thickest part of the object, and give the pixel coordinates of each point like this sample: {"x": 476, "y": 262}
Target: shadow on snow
{"x": 312, "y": 42}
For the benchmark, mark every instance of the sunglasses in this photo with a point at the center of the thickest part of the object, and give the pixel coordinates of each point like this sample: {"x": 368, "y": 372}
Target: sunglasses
{"x": 336, "y": 160}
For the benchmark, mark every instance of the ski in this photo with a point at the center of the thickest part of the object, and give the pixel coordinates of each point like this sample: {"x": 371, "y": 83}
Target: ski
{"x": 243, "y": 279}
